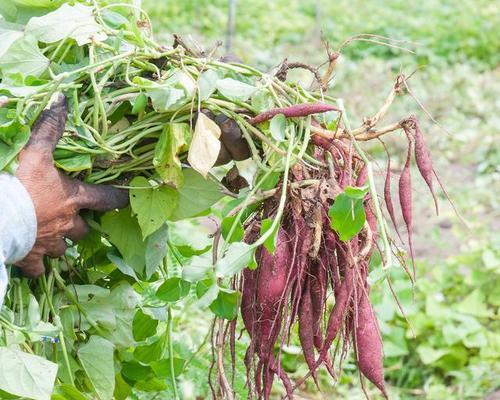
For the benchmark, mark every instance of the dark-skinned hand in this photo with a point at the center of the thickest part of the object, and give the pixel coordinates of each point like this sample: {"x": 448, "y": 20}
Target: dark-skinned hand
{"x": 57, "y": 198}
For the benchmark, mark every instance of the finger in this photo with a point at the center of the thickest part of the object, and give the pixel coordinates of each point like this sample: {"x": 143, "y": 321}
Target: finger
{"x": 31, "y": 266}
{"x": 49, "y": 126}
{"x": 79, "y": 229}
{"x": 100, "y": 197}
{"x": 57, "y": 248}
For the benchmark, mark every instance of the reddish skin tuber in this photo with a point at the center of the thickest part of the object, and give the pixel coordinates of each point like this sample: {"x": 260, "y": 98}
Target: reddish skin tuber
{"x": 306, "y": 333}
{"x": 318, "y": 282}
{"x": 368, "y": 344}
{"x": 362, "y": 176}
{"x": 388, "y": 197}
{"x": 261, "y": 309}
{"x": 405, "y": 200}
{"x": 305, "y": 241}
{"x": 423, "y": 160}
{"x": 335, "y": 321}
{"x": 297, "y": 110}
{"x": 271, "y": 286}
{"x": 248, "y": 299}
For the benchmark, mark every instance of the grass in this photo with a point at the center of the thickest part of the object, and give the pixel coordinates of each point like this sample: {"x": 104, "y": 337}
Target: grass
{"x": 442, "y": 32}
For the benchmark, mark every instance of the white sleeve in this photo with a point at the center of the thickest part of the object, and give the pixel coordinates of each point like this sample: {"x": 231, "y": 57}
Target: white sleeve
{"x": 17, "y": 225}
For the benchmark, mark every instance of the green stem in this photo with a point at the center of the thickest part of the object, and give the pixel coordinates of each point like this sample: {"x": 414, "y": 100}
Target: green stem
{"x": 281, "y": 206}
{"x": 58, "y": 323}
{"x": 171, "y": 352}
{"x": 371, "y": 184}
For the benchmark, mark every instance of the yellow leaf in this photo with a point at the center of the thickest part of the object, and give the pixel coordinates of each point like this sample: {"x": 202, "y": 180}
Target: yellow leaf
{"x": 205, "y": 145}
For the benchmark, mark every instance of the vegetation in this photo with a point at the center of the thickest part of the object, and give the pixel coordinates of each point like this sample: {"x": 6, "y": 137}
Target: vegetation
{"x": 140, "y": 329}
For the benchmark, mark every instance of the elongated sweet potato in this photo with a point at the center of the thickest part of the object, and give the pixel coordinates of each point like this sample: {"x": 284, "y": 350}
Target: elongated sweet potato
{"x": 368, "y": 344}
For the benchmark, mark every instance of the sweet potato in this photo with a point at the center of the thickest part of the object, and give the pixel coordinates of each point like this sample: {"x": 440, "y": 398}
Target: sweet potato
{"x": 297, "y": 110}
{"x": 306, "y": 332}
{"x": 388, "y": 197}
{"x": 368, "y": 344}
{"x": 423, "y": 160}
{"x": 405, "y": 200}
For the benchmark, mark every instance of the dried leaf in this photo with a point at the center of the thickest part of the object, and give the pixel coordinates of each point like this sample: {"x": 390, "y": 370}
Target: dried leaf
{"x": 205, "y": 146}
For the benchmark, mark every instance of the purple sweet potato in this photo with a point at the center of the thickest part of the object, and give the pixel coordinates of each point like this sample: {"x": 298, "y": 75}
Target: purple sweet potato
{"x": 423, "y": 160}
{"x": 297, "y": 110}
{"x": 368, "y": 344}
{"x": 405, "y": 200}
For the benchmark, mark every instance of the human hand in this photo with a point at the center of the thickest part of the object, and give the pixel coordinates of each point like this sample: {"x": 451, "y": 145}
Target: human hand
{"x": 57, "y": 198}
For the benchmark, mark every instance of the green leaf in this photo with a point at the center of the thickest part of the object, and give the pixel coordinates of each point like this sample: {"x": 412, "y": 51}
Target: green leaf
{"x": 152, "y": 385}
{"x": 207, "y": 82}
{"x": 122, "y": 265}
{"x": 156, "y": 249}
{"x": 26, "y": 375}
{"x": 124, "y": 232}
{"x": 429, "y": 355}
{"x": 122, "y": 388}
{"x": 173, "y": 289}
{"x": 8, "y": 10}
{"x": 270, "y": 242}
{"x": 6, "y": 40}
{"x": 476, "y": 340}
{"x": 153, "y": 206}
{"x": 73, "y": 162}
{"x": 347, "y": 216}
{"x": 474, "y": 304}
{"x": 150, "y": 352}
{"x": 190, "y": 236}
{"x": 114, "y": 19}
{"x": 238, "y": 233}
{"x": 170, "y": 94}
{"x": 197, "y": 268}
{"x": 13, "y": 137}
{"x": 206, "y": 291}
{"x": 162, "y": 368}
{"x": 262, "y": 100}
{"x": 140, "y": 103}
{"x": 96, "y": 357}
{"x": 33, "y": 317}
{"x": 166, "y": 98}
{"x": 196, "y": 195}
{"x": 48, "y": 4}
{"x": 143, "y": 326}
{"x": 24, "y": 57}
{"x": 68, "y": 21}
{"x": 270, "y": 181}
{"x": 67, "y": 392}
{"x": 238, "y": 256}
{"x": 134, "y": 371}
{"x": 226, "y": 304}
{"x": 173, "y": 140}
{"x": 235, "y": 90}
{"x": 277, "y": 126}
{"x": 356, "y": 192}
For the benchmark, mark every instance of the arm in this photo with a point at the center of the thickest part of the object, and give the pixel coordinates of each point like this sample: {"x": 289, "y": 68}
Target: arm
{"x": 17, "y": 225}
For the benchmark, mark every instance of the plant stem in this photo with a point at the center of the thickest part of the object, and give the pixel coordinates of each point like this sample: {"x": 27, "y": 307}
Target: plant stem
{"x": 373, "y": 190}
{"x": 171, "y": 352}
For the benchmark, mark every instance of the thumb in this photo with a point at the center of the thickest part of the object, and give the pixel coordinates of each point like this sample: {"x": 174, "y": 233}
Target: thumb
{"x": 100, "y": 197}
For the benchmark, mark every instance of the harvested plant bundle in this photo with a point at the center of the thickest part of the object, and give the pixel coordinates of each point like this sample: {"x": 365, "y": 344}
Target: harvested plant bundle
{"x": 145, "y": 116}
